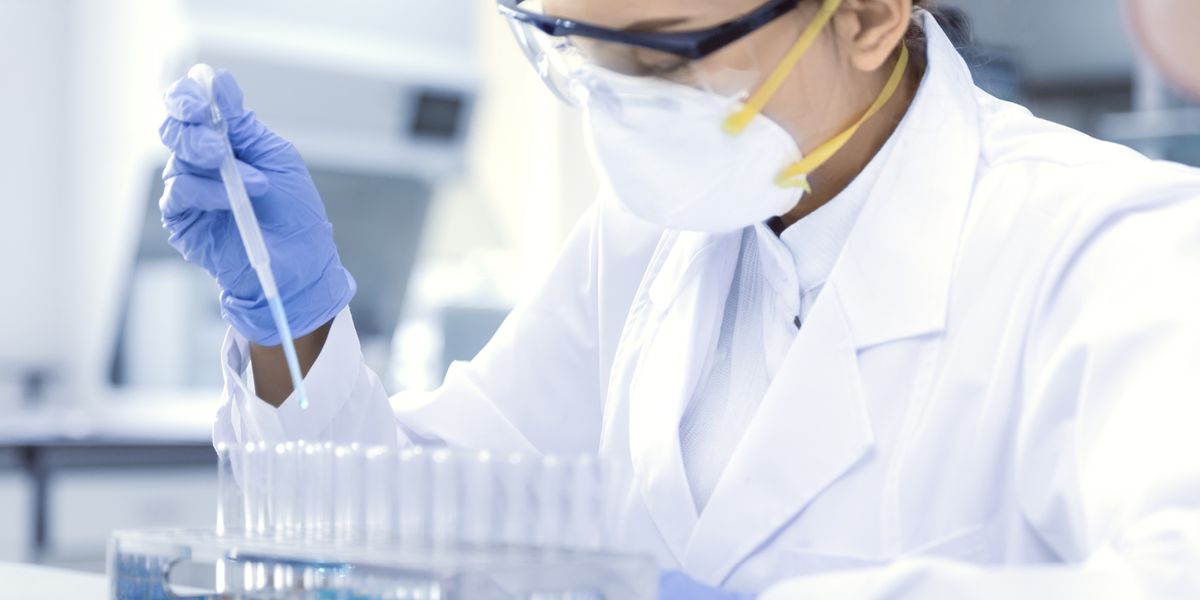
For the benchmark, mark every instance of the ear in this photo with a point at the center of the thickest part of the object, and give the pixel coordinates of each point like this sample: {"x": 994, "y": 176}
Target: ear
{"x": 870, "y": 30}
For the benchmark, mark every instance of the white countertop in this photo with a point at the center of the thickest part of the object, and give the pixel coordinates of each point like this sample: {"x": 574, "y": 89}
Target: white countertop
{"x": 165, "y": 421}
{"x": 33, "y": 582}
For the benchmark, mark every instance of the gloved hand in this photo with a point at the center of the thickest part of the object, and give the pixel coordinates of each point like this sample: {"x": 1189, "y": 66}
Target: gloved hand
{"x": 313, "y": 285}
{"x": 673, "y": 585}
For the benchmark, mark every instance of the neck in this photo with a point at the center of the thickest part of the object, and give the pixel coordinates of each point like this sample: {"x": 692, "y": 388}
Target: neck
{"x": 832, "y": 177}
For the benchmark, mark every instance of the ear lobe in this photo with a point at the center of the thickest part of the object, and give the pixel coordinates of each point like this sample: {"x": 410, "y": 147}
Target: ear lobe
{"x": 873, "y": 30}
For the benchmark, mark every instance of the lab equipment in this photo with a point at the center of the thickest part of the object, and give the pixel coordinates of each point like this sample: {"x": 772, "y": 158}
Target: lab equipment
{"x": 251, "y": 233}
{"x": 182, "y": 563}
{"x": 298, "y": 519}
{"x": 349, "y": 494}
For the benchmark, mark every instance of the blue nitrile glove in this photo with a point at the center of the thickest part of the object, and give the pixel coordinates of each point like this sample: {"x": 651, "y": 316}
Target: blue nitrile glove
{"x": 312, "y": 283}
{"x": 673, "y": 585}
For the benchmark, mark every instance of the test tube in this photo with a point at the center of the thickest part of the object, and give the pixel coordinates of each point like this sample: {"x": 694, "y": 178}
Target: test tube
{"x": 477, "y": 498}
{"x": 515, "y": 497}
{"x": 381, "y": 466}
{"x": 279, "y": 576}
{"x": 230, "y": 510}
{"x": 550, "y": 502}
{"x": 318, "y": 491}
{"x": 285, "y": 496}
{"x": 584, "y": 529}
{"x": 443, "y": 503}
{"x": 348, "y": 493}
{"x": 254, "y": 488}
{"x": 299, "y": 465}
{"x": 412, "y": 495}
{"x": 225, "y": 574}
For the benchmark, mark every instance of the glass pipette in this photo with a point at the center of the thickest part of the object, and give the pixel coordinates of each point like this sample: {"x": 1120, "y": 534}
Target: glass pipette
{"x": 247, "y": 224}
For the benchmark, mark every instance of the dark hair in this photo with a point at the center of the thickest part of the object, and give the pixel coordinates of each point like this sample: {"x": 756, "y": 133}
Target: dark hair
{"x": 953, "y": 20}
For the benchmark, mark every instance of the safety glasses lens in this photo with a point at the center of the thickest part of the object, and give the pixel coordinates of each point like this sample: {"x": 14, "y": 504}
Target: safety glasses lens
{"x": 552, "y": 58}
{"x": 567, "y": 65}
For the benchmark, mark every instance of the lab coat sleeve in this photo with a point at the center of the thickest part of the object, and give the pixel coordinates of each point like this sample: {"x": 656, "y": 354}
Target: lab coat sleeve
{"x": 1107, "y": 457}
{"x": 535, "y": 387}
{"x": 347, "y": 402}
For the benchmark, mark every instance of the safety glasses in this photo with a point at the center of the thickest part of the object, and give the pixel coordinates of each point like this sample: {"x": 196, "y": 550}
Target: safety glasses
{"x": 564, "y": 52}
{"x": 694, "y": 44}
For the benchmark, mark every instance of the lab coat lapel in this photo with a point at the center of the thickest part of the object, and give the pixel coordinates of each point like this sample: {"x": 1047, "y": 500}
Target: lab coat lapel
{"x": 685, "y": 298}
{"x": 811, "y": 427}
{"x": 891, "y": 282}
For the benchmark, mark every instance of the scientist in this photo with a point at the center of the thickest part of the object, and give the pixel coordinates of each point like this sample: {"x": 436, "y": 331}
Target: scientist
{"x": 841, "y": 325}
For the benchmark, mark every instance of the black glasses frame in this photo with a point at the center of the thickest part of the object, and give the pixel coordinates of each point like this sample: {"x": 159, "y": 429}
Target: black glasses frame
{"x": 694, "y": 44}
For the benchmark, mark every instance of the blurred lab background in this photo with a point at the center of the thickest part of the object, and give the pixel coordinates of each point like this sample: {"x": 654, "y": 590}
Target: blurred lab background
{"x": 450, "y": 174}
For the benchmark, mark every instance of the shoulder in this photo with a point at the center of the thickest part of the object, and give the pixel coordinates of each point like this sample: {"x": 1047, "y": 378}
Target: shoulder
{"x": 1063, "y": 218}
{"x": 1058, "y": 189}
{"x": 1058, "y": 172}
{"x": 1095, "y": 245}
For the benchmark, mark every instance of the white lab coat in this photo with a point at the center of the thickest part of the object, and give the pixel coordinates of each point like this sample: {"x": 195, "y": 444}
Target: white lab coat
{"x": 996, "y": 395}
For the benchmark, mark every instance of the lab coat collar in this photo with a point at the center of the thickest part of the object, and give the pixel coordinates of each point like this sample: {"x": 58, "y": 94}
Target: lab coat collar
{"x": 894, "y": 274}
{"x": 891, "y": 282}
{"x": 811, "y": 427}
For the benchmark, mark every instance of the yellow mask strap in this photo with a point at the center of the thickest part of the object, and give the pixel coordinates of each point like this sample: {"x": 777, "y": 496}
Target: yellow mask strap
{"x": 796, "y": 175}
{"x": 755, "y": 103}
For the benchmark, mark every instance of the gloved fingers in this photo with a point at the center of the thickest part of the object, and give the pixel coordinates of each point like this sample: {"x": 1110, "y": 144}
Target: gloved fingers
{"x": 186, "y": 101}
{"x": 228, "y": 95}
{"x": 199, "y": 145}
{"x": 184, "y": 194}
{"x": 186, "y": 133}
{"x": 186, "y": 190}
{"x": 244, "y": 128}
{"x": 674, "y": 585}
{"x": 256, "y": 181}
{"x": 254, "y": 143}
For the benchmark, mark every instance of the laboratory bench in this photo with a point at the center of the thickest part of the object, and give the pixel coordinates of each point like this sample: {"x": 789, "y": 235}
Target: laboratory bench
{"x": 68, "y": 477}
{"x": 33, "y": 582}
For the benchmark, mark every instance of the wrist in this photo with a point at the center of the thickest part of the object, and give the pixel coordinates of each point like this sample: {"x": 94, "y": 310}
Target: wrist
{"x": 308, "y": 307}
{"x": 330, "y": 294}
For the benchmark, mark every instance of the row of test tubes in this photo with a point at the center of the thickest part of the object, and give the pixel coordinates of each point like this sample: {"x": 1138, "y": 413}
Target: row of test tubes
{"x": 416, "y": 496}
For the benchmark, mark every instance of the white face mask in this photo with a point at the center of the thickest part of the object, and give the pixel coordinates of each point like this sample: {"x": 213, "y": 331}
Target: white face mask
{"x": 660, "y": 146}
{"x": 686, "y": 158}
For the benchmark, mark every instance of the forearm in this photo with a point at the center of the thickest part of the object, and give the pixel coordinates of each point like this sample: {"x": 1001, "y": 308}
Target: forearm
{"x": 272, "y": 382}
{"x": 348, "y": 404}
